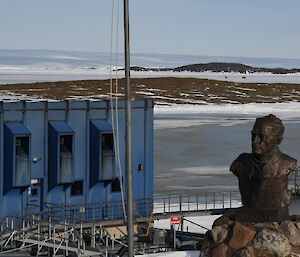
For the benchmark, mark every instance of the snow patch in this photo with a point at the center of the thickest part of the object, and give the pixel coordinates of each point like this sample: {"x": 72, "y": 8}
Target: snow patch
{"x": 285, "y": 111}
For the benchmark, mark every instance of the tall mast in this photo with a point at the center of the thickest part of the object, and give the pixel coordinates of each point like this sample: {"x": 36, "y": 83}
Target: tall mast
{"x": 128, "y": 133}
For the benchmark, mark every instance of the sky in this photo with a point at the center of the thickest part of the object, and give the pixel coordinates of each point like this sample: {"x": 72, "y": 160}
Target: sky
{"x": 256, "y": 28}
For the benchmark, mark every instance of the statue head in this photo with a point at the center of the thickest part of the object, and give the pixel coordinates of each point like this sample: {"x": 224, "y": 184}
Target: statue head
{"x": 266, "y": 136}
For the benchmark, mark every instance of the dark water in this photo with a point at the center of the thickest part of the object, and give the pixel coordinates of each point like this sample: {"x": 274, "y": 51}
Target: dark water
{"x": 195, "y": 158}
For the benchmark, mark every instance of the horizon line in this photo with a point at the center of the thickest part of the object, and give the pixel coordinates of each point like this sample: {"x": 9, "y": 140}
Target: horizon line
{"x": 139, "y": 53}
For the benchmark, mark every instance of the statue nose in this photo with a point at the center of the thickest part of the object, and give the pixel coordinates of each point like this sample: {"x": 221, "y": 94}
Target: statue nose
{"x": 256, "y": 139}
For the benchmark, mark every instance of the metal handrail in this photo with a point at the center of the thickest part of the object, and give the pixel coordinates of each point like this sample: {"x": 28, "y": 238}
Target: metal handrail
{"x": 111, "y": 210}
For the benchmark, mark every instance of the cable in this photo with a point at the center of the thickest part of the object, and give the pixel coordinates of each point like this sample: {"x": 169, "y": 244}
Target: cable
{"x": 194, "y": 223}
{"x": 116, "y": 108}
{"x": 115, "y": 117}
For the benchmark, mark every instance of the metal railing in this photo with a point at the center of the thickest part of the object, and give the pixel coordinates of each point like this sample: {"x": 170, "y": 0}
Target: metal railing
{"x": 112, "y": 210}
{"x": 294, "y": 183}
{"x": 57, "y": 223}
{"x": 190, "y": 203}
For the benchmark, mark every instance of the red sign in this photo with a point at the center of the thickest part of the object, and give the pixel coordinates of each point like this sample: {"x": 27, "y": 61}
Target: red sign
{"x": 176, "y": 220}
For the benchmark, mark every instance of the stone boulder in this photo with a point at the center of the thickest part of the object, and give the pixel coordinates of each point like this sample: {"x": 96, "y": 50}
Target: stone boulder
{"x": 230, "y": 238}
{"x": 272, "y": 242}
{"x": 245, "y": 252}
{"x": 292, "y": 231}
{"x": 220, "y": 250}
{"x": 242, "y": 235}
{"x": 219, "y": 234}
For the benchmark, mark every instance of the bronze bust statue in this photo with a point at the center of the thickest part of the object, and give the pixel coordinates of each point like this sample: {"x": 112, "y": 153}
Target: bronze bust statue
{"x": 263, "y": 174}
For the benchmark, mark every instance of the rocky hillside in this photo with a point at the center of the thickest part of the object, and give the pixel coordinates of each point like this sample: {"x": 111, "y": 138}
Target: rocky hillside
{"x": 220, "y": 67}
{"x": 168, "y": 90}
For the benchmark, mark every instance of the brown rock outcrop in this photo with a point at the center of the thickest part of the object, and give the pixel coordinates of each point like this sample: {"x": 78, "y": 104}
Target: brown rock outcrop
{"x": 220, "y": 250}
{"x": 242, "y": 235}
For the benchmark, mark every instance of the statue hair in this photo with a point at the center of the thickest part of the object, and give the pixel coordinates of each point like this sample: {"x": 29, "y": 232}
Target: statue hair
{"x": 272, "y": 120}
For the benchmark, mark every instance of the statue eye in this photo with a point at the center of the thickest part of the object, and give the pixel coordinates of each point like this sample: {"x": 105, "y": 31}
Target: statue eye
{"x": 263, "y": 137}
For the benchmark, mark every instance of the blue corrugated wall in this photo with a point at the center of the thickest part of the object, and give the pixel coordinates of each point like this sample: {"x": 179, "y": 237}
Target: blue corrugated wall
{"x": 82, "y": 118}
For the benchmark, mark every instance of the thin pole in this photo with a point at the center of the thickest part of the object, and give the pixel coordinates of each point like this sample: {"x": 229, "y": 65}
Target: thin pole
{"x": 128, "y": 133}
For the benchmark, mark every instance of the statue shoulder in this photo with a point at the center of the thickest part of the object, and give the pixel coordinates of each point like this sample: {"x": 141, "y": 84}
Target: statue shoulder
{"x": 238, "y": 165}
{"x": 289, "y": 162}
{"x": 282, "y": 164}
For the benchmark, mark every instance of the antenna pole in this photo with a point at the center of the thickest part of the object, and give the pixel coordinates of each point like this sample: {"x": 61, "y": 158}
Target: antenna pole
{"x": 128, "y": 133}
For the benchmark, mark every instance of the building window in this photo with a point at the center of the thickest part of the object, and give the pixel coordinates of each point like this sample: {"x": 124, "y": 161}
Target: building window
{"x": 22, "y": 163}
{"x": 107, "y": 158}
{"x": 66, "y": 142}
{"x": 22, "y": 146}
{"x": 34, "y": 191}
{"x": 61, "y": 139}
{"x": 102, "y": 152}
{"x": 77, "y": 188}
{"x": 16, "y": 156}
{"x": 115, "y": 185}
{"x": 107, "y": 143}
{"x": 66, "y": 159}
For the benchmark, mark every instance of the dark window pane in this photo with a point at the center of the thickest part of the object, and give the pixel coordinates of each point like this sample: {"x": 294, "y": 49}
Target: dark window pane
{"x": 34, "y": 191}
{"x": 107, "y": 142}
{"x": 115, "y": 185}
{"x": 66, "y": 143}
{"x": 22, "y": 146}
{"x": 77, "y": 188}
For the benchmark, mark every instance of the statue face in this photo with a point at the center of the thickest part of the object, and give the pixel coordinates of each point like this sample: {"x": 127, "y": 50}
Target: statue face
{"x": 264, "y": 140}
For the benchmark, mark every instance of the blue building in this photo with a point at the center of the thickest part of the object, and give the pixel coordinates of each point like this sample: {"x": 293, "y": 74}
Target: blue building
{"x": 64, "y": 152}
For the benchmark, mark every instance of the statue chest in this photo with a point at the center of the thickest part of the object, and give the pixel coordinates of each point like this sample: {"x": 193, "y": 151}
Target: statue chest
{"x": 264, "y": 191}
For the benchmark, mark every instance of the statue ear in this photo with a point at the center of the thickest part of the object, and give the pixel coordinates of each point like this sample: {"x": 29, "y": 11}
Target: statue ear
{"x": 279, "y": 139}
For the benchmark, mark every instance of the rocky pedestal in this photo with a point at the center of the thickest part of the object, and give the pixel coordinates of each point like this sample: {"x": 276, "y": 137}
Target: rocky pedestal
{"x": 230, "y": 238}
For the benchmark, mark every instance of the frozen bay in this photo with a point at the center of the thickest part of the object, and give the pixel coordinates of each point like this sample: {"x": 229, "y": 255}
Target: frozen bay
{"x": 195, "y": 145}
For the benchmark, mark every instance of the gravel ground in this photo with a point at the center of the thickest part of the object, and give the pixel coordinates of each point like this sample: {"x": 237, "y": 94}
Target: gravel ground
{"x": 165, "y": 90}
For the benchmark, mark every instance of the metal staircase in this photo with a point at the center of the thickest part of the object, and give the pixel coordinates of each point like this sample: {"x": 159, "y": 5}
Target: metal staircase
{"x": 45, "y": 235}
{"x": 79, "y": 229}
{"x": 49, "y": 236}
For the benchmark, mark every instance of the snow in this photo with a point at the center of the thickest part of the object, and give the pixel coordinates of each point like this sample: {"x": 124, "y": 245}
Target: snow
{"x": 6, "y": 95}
{"x": 287, "y": 111}
{"x": 144, "y": 93}
{"x": 37, "y": 74}
{"x": 155, "y": 89}
{"x": 204, "y": 221}
{"x": 222, "y": 114}
{"x": 175, "y": 254}
{"x": 204, "y": 170}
